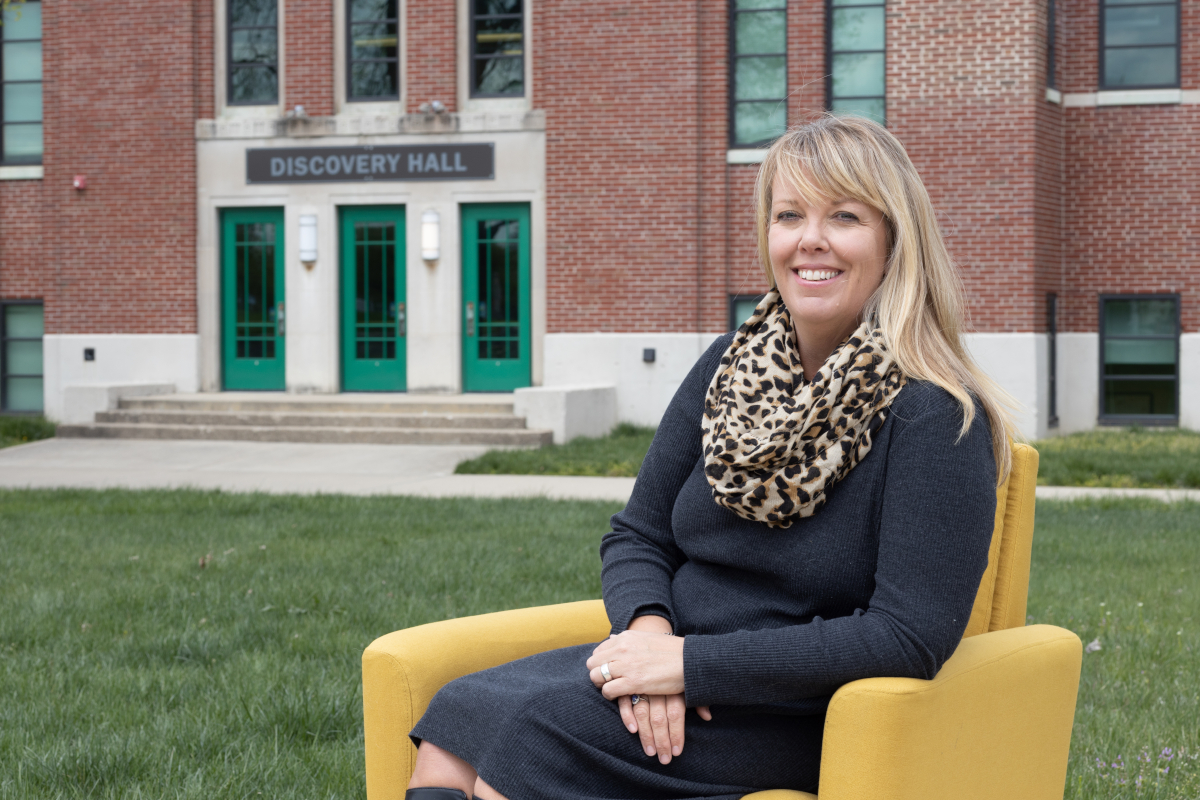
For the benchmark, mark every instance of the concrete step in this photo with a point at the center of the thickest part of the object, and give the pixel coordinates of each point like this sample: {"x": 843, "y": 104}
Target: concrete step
{"x": 394, "y": 403}
{"x": 502, "y": 437}
{"x": 296, "y": 418}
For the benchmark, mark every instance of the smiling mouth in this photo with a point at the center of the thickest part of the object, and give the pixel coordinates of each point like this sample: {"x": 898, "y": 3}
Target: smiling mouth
{"x": 817, "y": 275}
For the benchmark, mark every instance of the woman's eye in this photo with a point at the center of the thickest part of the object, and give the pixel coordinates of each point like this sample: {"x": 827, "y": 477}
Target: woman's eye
{"x": 784, "y": 216}
{"x": 847, "y": 216}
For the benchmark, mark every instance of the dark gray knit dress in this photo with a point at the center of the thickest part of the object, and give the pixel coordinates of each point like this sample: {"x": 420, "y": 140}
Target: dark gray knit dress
{"x": 880, "y": 582}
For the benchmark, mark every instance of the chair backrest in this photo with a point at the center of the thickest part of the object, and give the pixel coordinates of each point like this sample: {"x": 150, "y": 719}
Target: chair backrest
{"x": 1004, "y": 589}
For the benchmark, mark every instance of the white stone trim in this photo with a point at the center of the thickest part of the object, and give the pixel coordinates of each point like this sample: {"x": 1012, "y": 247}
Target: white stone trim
{"x": 1135, "y": 97}
{"x": 462, "y": 62}
{"x": 1189, "y": 380}
{"x": 367, "y": 125}
{"x": 1054, "y": 96}
{"x": 745, "y": 156}
{"x": 32, "y": 172}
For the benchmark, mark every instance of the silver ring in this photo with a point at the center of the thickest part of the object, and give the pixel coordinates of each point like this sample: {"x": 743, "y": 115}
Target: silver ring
{"x": 635, "y": 699}
{"x": 604, "y": 671}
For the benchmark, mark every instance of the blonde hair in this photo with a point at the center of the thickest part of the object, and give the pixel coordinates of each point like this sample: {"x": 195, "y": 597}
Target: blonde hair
{"x": 919, "y": 305}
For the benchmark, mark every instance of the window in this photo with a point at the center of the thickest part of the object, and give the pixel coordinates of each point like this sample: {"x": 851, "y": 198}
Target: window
{"x": 1139, "y": 358}
{"x": 21, "y": 85}
{"x": 855, "y": 48}
{"x": 21, "y": 356}
{"x": 741, "y": 306}
{"x": 253, "y": 53}
{"x": 758, "y": 71}
{"x": 1051, "y": 45}
{"x": 497, "y": 48}
{"x": 1052, "y": 357}
{"x": 374, "y": 32}
{"x": 1139, "y": 44}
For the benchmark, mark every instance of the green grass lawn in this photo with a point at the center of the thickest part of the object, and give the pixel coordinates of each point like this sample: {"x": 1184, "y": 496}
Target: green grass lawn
{"x": 18, "y": 430}
{"x": 618, "y": 455}
{"x": 1129, "y": 457}
{"x": 191, "y": 644}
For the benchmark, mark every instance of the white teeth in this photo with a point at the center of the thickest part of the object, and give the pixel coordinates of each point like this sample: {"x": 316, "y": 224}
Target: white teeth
{"x": 817, "y": 274}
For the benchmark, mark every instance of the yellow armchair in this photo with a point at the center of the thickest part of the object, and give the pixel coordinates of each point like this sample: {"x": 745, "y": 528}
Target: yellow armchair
{"x": 994, "y": 723}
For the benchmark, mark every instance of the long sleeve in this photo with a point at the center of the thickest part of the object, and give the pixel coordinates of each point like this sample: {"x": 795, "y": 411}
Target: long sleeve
{"x": 640, "y": 556}
{"x": 936, "y": 515}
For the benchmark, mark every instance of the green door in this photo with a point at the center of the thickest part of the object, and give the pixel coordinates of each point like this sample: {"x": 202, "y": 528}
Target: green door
{"x": 374, "y": 317}
{"x": 252, "y": 311}
{"x": 496, "y": 329}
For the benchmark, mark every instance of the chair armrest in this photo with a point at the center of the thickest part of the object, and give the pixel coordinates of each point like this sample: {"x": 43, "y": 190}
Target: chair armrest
{"x": 995, "y": 723}
{"x": 402, "y": 671}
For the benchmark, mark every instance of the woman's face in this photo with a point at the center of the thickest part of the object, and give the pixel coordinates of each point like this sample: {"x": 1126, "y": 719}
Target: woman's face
{"x": 828, "y": 256}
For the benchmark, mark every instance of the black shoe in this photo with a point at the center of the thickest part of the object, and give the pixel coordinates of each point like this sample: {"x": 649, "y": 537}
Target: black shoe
{"x": 435, "y": 793}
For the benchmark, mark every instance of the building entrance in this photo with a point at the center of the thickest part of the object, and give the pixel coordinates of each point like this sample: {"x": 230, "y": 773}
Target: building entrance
{"x": 374, "y": 317}
{"x": 252, "y": 292}
{"x": 496, "y": 329}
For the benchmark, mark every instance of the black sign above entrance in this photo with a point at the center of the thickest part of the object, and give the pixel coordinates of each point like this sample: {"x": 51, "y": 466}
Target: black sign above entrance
{"x": 435, "y": 162}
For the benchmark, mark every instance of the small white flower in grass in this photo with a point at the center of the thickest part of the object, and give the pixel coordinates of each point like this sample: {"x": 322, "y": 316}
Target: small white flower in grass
{"x": 203, "y": 620}
{"x": 85, "y": 627}
{"x": 1139, "y": 605}
{"x": 233, "y": 549}
{"x": 133, "y": 558}
{"x": 262, "y": 547}
{"x": 1092, "y": 646}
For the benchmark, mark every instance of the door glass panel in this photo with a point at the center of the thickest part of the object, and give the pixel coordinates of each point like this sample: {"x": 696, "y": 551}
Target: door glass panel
{"x": 499, "y": 289}
{"x": 761, "y": 77}
{"x": 757, "y": 122}
{"x": 375, "y": 291}
{"x": 255, "y": 281}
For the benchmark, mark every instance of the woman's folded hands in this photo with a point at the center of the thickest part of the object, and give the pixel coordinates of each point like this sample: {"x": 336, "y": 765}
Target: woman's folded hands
{"x": 645, "y": 664}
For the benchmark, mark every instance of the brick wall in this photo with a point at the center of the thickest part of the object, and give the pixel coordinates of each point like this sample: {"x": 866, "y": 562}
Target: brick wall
{"x": 431, "y": 37}
{"x": 1131, "y": 173}
{"x": 308, "y": 56}
{"x": 119, "y": 98}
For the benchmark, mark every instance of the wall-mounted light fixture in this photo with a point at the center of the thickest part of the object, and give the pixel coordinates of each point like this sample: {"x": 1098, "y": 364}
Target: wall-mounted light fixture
{"x": 431, "y": 236}
{"x": 308, "y": 239}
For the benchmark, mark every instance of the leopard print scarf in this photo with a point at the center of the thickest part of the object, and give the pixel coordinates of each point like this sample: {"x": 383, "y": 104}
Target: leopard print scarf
{"x": 775, "y": 442}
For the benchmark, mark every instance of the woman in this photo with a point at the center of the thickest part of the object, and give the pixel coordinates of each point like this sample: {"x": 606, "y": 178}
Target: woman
{"x": 816, "y": 508}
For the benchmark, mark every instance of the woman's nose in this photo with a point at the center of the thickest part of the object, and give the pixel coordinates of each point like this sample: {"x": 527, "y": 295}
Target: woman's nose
{"x": 812, "y": 236}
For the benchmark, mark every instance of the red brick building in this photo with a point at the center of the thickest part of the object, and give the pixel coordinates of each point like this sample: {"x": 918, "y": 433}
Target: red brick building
{"x": 476, "y": 195}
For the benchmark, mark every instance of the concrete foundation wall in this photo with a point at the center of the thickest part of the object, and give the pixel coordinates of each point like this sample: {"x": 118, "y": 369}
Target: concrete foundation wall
{"x": 120, "y": 359}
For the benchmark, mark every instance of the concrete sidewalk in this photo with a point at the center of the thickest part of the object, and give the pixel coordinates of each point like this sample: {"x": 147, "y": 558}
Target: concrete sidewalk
{"x": 355, "y": 469}
{"x": 281, "y": 468}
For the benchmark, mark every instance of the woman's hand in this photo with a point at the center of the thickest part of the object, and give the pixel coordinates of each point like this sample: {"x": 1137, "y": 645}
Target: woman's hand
{"x": 658, "y": 719}
{"x": 639, "y": 663}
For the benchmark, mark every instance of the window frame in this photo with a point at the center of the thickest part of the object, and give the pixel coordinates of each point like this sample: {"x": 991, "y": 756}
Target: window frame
{"x": 230, "y": 67}
{"x": 348, "y": 7}
{"x": 472, "y": 57}
{"x": 1103, "y": 418}
{"x": 27, "y": 161}
{"x": 4, "y": 340}
{"x": 1102, "y": 78}
{"x": 829, "y": 98}
{"x": 732, "y": 101}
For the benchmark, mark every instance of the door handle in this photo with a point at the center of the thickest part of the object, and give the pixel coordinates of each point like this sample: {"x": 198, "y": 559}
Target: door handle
{"x": 280, "y": 328}
{"x": 470, "y": 319}
{"x": 401, "y": 322}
